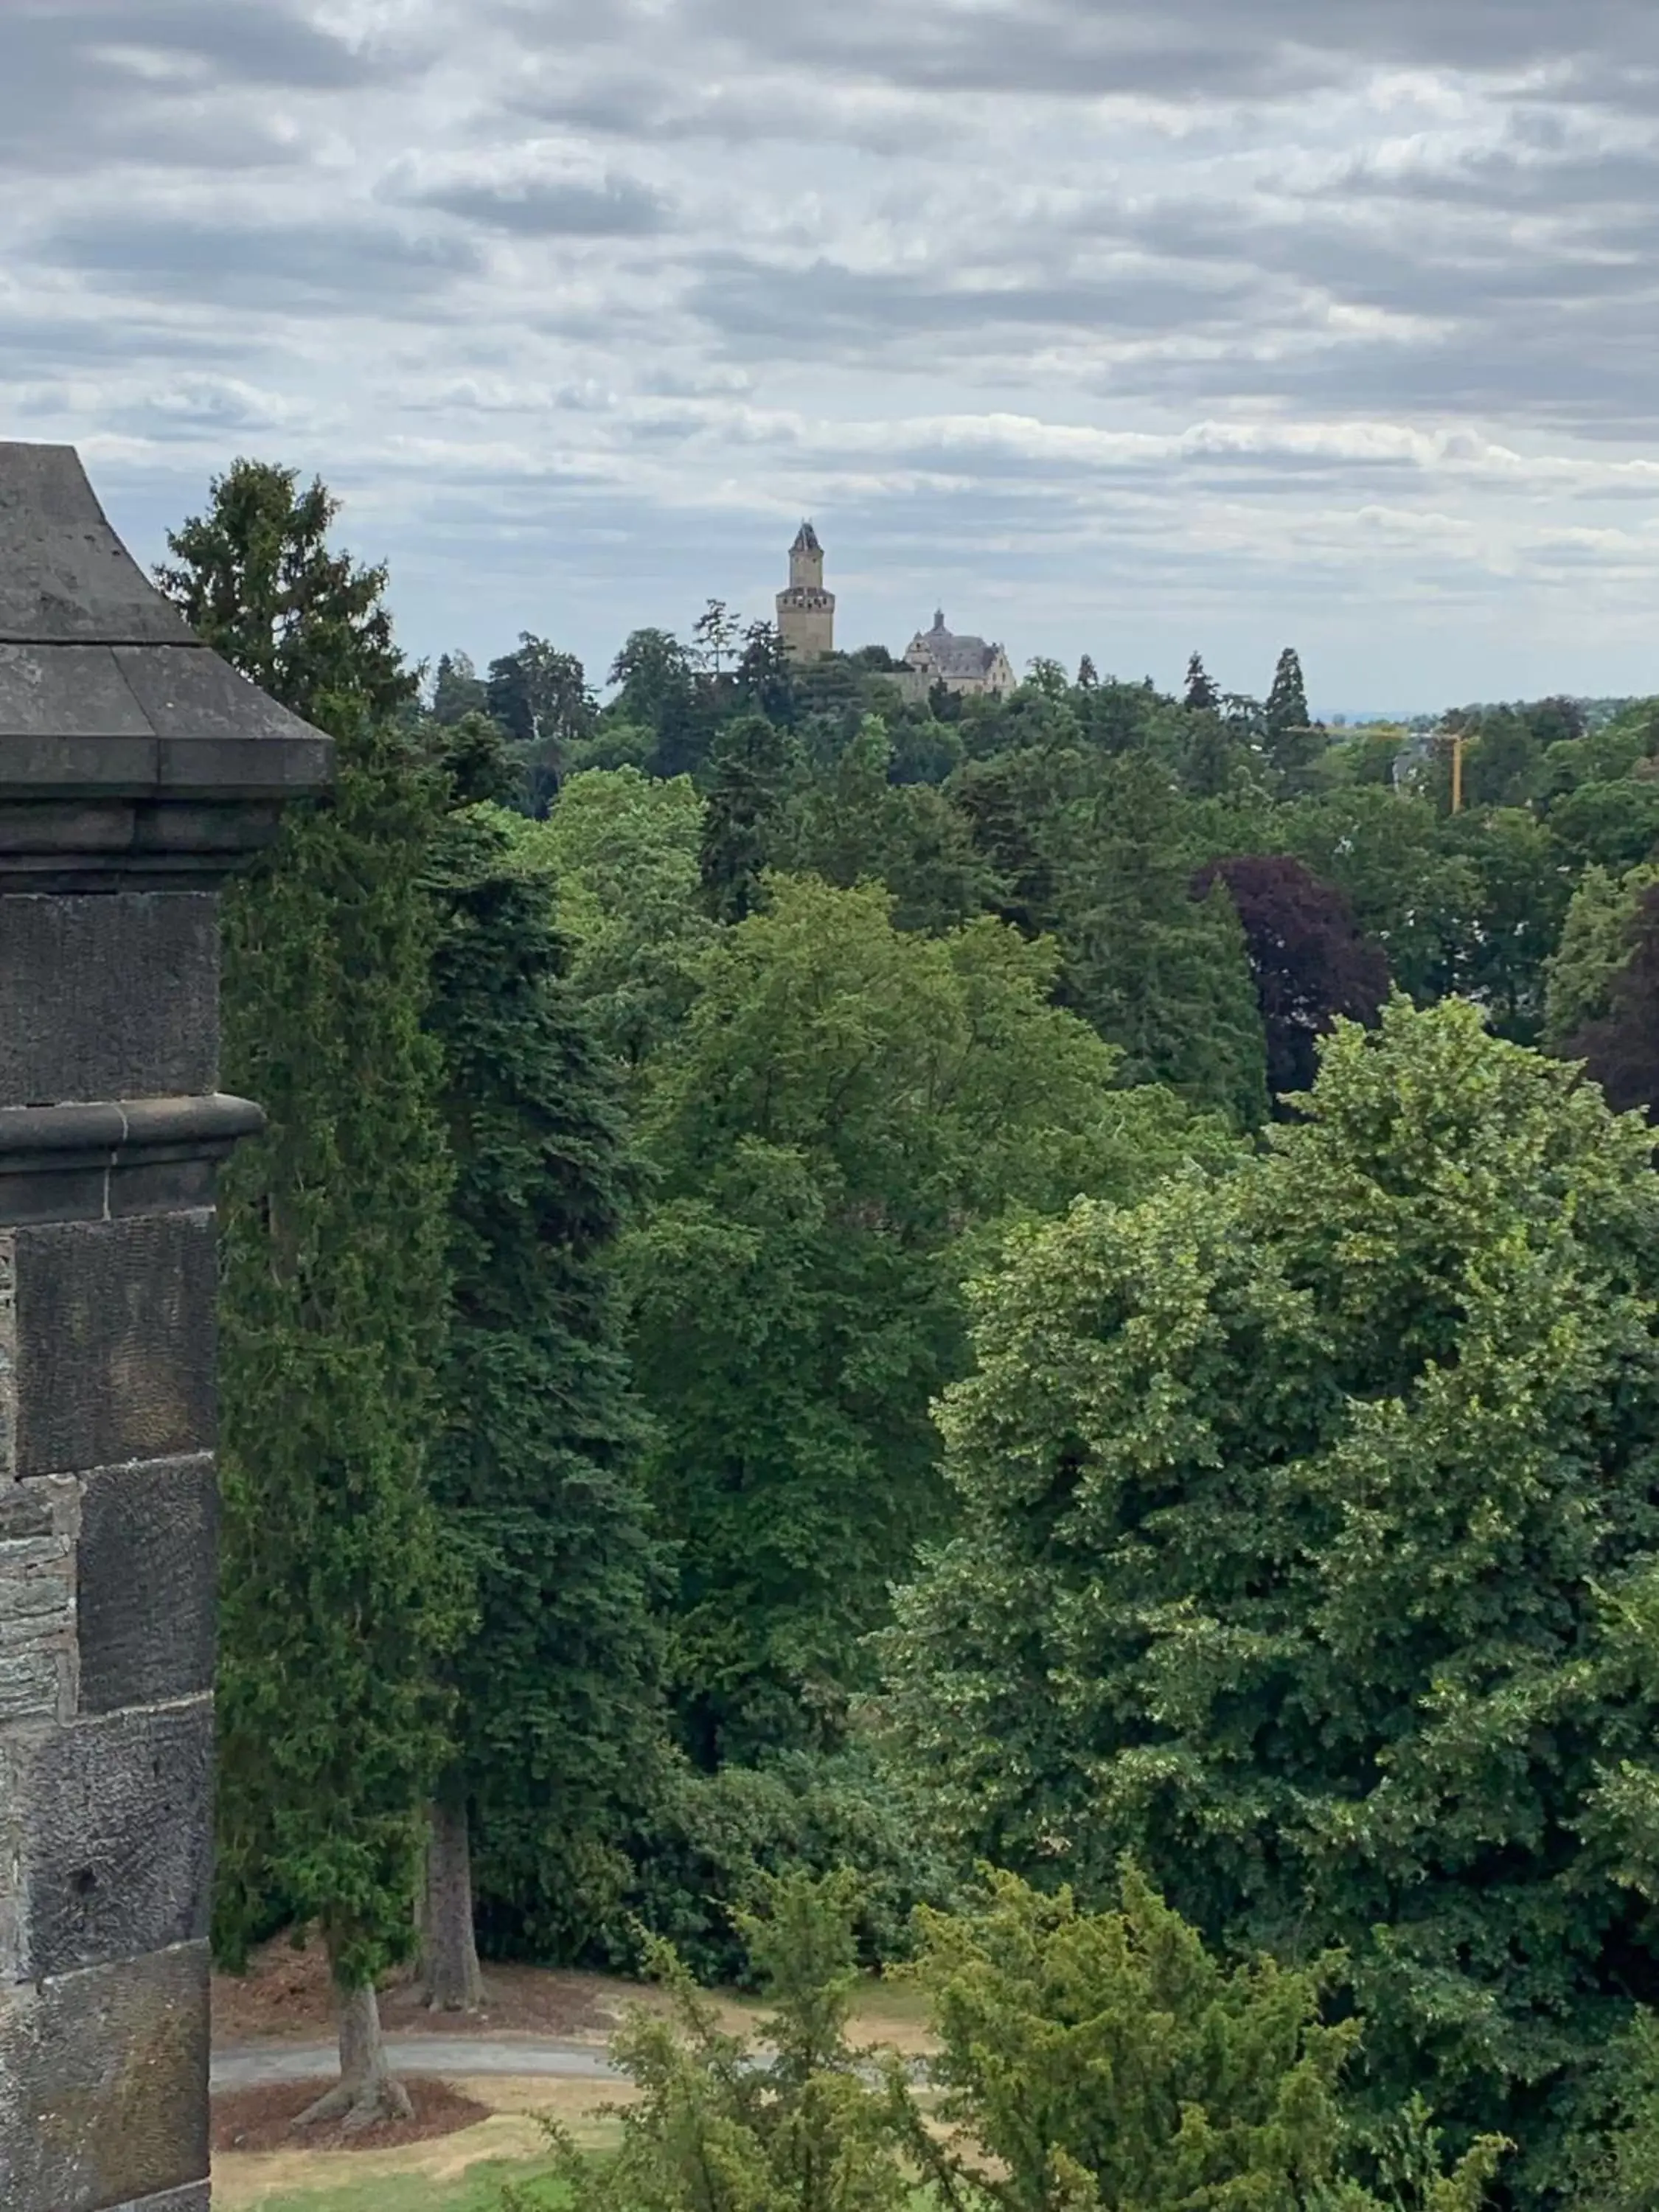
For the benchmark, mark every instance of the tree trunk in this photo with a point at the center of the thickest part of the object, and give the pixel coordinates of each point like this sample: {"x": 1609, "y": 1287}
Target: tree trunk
{"x": 450, "y": 1953}
{"x": 366, "y": 2096}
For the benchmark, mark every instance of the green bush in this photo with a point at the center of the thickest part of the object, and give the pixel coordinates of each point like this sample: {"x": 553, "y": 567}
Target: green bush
{"x": 1107, "y": 2060}
{"x": 793, "y": 2121}
{"x": 1089, "y": 2062}
{"x": 719, "y": 1835}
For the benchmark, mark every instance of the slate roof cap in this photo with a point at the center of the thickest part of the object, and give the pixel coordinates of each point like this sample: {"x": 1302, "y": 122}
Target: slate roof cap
{"x": 105, "y": 689}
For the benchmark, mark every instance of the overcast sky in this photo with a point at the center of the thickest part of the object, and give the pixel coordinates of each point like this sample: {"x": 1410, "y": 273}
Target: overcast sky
{"x": 1217, "y": 323}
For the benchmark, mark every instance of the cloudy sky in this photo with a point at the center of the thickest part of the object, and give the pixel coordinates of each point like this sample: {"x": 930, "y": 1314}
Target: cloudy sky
{"x": 1216, "y": 323}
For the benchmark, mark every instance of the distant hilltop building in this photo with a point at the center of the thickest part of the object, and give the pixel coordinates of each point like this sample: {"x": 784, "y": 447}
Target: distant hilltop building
{"x": 806, "y": 613}
{"x": 806, "y": 624}
{"x": 966, "y": 666}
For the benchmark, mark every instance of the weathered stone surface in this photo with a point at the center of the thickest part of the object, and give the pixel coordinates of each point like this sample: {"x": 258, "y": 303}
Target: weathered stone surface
{"x": 115, "y": 1342}
{"x": 50, "y": 692}
{"x": 133, "y": 1012}
{"x": 101, "y": 1161}
{"x": 107, "y": 1832}
{"x": 147, "y": 1585}
{"x": 64, "y": 575}
{"x": 38, "y": 1525}
{"x": 8, "y": 1359}
{"x": 103, "y": 2086}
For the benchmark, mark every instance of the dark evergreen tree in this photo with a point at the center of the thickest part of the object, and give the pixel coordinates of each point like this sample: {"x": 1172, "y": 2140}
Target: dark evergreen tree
{"x": 256, "y": 577}
{"x": 558, "y": 1724}
{"x": 751, "y": 770}
{"x": 1309, "y": 961}
{"x": 1088, "y": 675}
{"x": 716, "y": 633}
{"x": 1210, "y": 757}
{"x": 338, "y": 1598}
{"x": 1287, "y": 701}
{"x": 1163, "y": 977}
{"x": 540, "y": 697}
{"x": 1202, "y": 697}
{"x": 1291, "y": 740}
{"x": 458, "y": 690}
{"x": 766, "y": 675}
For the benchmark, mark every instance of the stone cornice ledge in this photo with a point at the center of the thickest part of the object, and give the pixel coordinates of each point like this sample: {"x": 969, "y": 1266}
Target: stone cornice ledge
{"x": 123, "y": 1131}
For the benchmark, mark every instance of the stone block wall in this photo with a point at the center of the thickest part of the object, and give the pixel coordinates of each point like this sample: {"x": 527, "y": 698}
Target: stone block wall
{"x": 137, "y": 771}
{"x": 110, "y": 1135}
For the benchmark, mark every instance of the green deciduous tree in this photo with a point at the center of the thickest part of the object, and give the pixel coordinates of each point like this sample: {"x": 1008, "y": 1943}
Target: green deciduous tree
{"x": 540, "y": 697}
{"x": 1297, "y": 1511}
{"x": 1419, "y": 896}
{"x": 846, "y": 1103}
{"x": 535, "y": 1464}
{"x": 1597, "y": 940}
{"x": 622, "y": 849}
{"x": 855, "y": 825}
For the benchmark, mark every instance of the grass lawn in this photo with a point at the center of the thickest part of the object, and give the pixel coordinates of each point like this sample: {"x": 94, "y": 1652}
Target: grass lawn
{"x": 480, "y": 2191}
{"x": 295, "y": 2182}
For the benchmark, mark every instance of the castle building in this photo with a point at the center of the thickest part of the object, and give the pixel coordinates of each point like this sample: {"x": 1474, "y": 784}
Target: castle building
{"x": 966, "y": 666}
{"x": 806, "y": 613}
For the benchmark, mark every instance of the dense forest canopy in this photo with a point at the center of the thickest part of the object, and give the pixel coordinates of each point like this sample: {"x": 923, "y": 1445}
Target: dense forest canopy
{"x": 1064, "y": 1279}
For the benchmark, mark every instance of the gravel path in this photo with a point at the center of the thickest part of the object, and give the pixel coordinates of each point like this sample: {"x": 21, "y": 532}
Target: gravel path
{"x": 256, "y": 2066}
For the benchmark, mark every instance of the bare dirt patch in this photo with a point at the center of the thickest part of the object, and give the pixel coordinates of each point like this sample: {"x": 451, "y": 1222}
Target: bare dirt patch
{"x": 263, "y": 2119}
{"x": 285, "y": 1996}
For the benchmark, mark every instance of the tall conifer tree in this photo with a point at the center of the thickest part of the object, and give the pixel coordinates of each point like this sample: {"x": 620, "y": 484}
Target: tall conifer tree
{"x": 337, "y": 1593}
{"x": 1287, "y": 702}
{"x": 1202, "y": 697}
{"x": 558, "y": 1725}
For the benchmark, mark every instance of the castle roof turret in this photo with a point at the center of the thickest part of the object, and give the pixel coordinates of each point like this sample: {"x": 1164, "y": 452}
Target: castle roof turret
{"x": 806, "y": 540}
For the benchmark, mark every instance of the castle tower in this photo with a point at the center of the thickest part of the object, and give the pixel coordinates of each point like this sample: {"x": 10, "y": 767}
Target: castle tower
{"x": 806, "y": 613}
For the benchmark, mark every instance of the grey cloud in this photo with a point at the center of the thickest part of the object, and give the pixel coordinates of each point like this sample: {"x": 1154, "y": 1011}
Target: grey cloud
{"x": 1509, "y": 181}
{"x": 68, "y": 92}
{"x": 300, "y": 266}
{"x": 549, "y": 208}
{"x": 866, "y": 215}
{"x": 97, "y": 338}
{"x": 274, "y": 43}
{"x": 828, "y": 306}
{"x": 1184, "y": 49}
{"x": 745, "y": 109}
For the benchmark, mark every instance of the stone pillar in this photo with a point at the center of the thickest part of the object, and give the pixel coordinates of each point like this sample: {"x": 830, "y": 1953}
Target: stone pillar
{"x": 136, "y": 769}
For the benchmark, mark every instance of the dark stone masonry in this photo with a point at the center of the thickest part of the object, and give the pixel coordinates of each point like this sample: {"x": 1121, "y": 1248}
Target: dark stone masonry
{"x": 136, "y": 770}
